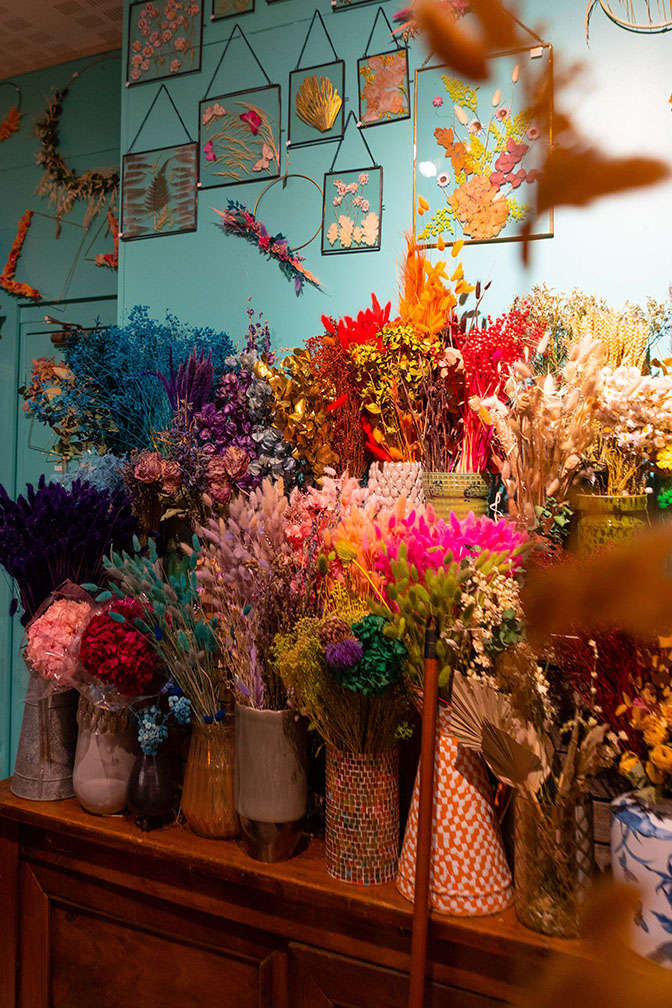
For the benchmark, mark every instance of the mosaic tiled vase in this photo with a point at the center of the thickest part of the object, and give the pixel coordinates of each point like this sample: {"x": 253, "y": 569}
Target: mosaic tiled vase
{"x": 469, "y": 875}
{"x": 608, "y": 519}
{"x": 457, "y": 493}
{"x": 362, "y": 816}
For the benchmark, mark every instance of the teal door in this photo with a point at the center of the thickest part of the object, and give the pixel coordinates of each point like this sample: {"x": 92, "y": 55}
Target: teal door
{"x": 32, "y": 459}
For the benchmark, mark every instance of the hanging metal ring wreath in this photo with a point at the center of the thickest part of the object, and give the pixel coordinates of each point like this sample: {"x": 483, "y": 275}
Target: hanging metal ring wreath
{"x": 10, "y": 124}
{"x": 283, "y": 179}
{"x": 642, "y": 27}
{"x": 63, "y": 186}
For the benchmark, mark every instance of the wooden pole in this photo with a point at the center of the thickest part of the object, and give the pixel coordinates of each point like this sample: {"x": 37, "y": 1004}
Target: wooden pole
{"x": 425, "y": 809}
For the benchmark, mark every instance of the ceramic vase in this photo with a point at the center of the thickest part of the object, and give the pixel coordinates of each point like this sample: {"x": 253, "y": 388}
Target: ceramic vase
{"x": 153, "y": 789}
{"x": 392, "y": 480}
{"x": 608, "y": 519}
{"x": 46, "y": 752}
{"x": 271, "y": 781}
{"x": 208, "y": 791}
{"x": 553, "y": 865}
{"x": 641, "y": 855}
{"x": 469, "y": 875}
{"x": 362, "y": 816}
{"x": 104, "y": 758}
{"x": 457, "y": 493}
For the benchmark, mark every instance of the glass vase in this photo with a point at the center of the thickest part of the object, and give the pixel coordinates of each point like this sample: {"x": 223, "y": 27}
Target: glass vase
{"x": 553, "y": 864}
{"x": 362, "y": 816}
{"x": 153, "y": 789}
{"x": 605, "y": 519}
{"x": 104, "y": 758}
{"x": 208, "y": 791}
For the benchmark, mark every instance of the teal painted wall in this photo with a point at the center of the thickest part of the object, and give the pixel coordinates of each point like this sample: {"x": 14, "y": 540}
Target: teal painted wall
{"x": 618, "y": 247}
{"x": 89, "y": 137}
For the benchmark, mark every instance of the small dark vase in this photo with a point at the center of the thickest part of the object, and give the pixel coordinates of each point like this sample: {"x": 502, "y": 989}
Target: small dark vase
{"x": 153, "y": 790}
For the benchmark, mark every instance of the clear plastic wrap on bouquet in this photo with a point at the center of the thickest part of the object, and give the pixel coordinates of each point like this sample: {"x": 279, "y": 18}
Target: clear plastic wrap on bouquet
{"x": 53, "y": 638}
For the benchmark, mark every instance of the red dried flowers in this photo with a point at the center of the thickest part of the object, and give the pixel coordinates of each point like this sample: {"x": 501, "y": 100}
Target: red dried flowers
{"x": 7, "y": 281}
{"x": 117, "y": 653}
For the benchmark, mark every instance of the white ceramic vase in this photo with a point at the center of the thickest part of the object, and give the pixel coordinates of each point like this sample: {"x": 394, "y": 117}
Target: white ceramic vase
{"x": 392, "y": 480}
{"x": 641, "y": 855}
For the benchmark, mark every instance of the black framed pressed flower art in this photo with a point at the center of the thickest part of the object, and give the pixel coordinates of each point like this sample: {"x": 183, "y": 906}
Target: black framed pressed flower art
{"x": 164, "y": 39}
{"x": 316, "y": 103}
{"x": 353, "y": 210}
{"x": 239, "y": 137}
{"x": 158, "y": 193}
{"x": 230, "y": 8}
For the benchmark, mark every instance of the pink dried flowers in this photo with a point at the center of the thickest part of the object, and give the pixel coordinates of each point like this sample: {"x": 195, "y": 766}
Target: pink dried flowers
{"x": 53, "y": 640}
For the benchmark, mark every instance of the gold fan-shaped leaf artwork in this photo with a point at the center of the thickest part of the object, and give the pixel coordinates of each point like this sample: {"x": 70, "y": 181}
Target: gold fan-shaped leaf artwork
{"x": 318, "y": 103}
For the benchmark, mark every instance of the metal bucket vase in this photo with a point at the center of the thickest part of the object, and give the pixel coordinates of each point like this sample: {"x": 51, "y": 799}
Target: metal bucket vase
{"x": 271, "y": 781}
{"x": 392, "y": 480}
{"x": 362, "y": 816}
{"x": 457, "y": 493}
{"x": 46, "y": 753}
{"x": 469, "y": 875}
{"x": 604, "y": 519}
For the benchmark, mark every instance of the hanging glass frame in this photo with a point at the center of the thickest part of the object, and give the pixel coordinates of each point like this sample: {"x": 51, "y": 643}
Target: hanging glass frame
{"x": 352, "y": 207}
{"x": 162, "y": 42}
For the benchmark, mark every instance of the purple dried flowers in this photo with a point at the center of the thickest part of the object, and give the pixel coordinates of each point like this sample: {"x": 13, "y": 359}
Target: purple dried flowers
{"x": 344, "y": 655}
{"x": 54, "y": 534}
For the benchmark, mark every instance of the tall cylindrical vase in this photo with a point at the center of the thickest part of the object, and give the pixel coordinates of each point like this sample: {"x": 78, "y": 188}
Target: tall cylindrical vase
{"x": 554, "y": 864}
{"x": 208, "y": 789}
{"x": 362, "y": 816}
{"x": 457, "y": 493}
{"x": 271, "y": 781}
{"x": 469, "y": 875}
{"x": 104, "y": 759}
{"x": 605, "y": 519}
{"x": 46, "y": 752}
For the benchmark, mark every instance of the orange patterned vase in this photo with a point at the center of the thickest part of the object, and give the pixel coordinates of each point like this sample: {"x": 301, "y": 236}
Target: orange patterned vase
{"x": 469, "y": 874}
{"x": 362, "y": 816}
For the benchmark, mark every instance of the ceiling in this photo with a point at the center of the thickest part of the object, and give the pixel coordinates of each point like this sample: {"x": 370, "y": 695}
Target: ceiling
{"x": 42, "y": 33}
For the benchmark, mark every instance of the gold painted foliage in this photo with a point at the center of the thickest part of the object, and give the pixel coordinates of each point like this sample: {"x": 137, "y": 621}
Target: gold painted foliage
{"x": 318, "y": 103}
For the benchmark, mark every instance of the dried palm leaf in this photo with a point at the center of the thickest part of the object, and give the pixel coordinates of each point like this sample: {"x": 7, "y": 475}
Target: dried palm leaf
{"x": 318, "y": 103}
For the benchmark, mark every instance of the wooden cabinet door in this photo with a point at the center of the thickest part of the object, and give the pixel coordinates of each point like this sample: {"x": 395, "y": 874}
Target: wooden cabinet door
{"x": 322, "y": 980}
{"x": 87, "y": 944}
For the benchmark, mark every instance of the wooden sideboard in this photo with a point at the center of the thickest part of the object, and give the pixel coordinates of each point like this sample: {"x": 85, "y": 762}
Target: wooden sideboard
{"x": 96, "y": 914}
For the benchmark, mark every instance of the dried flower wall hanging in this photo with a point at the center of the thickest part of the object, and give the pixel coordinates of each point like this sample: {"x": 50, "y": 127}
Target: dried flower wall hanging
{"x": 353, "y": 206}
{"x": 384, "y": 87}
{"x": 159, "y": 194}
{"x": 60, "y": 183}
{"x": 237, "y": 219}
{"x": 7, "y": 281}
{"x": 110, "y": 260}
{"x": 316, "y": 97}
{"x": 239, "y": 131}
{"x": 164, "y": 39}
{"x": 11, "y": 122}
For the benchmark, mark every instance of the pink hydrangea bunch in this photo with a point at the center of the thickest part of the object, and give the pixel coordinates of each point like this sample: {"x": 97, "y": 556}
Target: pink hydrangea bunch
{"x": 53, "y": 640}
{"x": 429, "y": 540}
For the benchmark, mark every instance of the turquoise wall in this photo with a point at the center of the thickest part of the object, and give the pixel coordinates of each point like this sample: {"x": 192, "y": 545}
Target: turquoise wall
{"x": 619, "y": 247}
{"x": 89, "y": 138}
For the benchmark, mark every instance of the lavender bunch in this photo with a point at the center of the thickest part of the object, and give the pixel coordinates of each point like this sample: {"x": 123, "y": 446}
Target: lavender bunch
{"x": 192, "y": 385}
{"x": 56, "y": 534}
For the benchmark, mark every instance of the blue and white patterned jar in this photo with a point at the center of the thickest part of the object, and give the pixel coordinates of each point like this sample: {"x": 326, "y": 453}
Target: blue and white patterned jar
{"x": 641, "y": 855}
